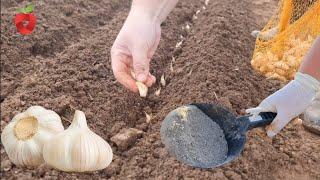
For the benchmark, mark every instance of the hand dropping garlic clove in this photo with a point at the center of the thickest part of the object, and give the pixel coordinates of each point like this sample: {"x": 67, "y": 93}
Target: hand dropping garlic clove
{"x": 23, "y": 138}
{"x": 77, "y": 149}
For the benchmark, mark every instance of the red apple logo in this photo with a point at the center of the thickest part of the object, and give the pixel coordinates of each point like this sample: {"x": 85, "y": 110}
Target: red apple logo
{"x": 25, "y": 20}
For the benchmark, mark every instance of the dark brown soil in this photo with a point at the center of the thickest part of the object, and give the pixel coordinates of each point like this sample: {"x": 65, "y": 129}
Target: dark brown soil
{"x": 65, "y": 65}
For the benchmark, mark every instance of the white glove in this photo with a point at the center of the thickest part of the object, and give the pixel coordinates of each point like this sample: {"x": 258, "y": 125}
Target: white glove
{"x": 288, "y": 102}
{"x": 138, "y": 40}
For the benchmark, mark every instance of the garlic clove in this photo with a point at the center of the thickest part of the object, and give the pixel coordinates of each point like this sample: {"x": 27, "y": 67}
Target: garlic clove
{"x": 148, "y": 117}
{"x": 24, "y": 136}
{"x": 171, "y": 67}
{"x": 78, "y": 149}
{"x": 162, "y": 80}
{"x": 133, "y": 74}
{"x": 143, "y": 89}
{"x": 157, "y": 93}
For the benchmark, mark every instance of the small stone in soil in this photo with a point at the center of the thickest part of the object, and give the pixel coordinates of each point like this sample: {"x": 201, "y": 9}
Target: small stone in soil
{"x": 192, "y": 137}
{"x": 42, "y": 169}
{"x": 6, "y": 165}
{"x": 126, "y": 138}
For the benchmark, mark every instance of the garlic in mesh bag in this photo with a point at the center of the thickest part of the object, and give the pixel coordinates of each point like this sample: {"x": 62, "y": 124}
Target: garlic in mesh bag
{"x": 285, "y": 40}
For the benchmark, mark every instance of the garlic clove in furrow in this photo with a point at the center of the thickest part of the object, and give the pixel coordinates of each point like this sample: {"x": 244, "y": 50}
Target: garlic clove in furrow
{"x": 78, "y": 149}
{"x": 23, "y": 138}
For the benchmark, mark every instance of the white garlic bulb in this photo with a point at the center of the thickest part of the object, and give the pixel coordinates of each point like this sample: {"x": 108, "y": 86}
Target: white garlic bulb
{"x": 77, "y": 149}
{"x": 23, "y": 138}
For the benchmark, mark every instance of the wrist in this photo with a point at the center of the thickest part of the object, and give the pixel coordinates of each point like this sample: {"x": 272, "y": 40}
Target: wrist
{"x": 155, "y": 10}
{"x": 307, "y": 81}
{"x": 144, "y": 13}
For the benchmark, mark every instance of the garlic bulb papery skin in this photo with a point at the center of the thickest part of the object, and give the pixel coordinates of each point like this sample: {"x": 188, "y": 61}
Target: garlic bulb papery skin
{"x": 77, "y": 149}
{"x": 23, "y": 138}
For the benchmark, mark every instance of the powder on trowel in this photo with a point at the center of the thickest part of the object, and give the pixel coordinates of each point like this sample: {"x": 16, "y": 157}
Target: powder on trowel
{"x": 192, "y": 137}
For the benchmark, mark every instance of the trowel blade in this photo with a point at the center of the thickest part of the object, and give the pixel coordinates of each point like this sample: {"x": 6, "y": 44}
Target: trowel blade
{"x": 193, "y": 138}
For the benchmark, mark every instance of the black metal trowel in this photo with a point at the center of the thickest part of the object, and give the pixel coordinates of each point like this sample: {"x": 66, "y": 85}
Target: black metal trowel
{"x": 189, "y": 135}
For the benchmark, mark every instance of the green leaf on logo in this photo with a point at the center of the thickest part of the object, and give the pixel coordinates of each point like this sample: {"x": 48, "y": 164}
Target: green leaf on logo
{"x": 29, "y": 8}
{"x": 20, "y": 10}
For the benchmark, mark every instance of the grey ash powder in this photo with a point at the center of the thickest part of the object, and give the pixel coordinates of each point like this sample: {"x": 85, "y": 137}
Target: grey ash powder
{"x": 192, "y": 137}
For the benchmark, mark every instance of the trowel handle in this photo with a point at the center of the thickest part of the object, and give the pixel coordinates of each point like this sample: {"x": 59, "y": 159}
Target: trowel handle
{"x": 262, "y": 119}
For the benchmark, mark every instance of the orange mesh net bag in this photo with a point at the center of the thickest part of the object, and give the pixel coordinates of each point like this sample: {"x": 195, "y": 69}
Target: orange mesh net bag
{"x": 287, "y": 37}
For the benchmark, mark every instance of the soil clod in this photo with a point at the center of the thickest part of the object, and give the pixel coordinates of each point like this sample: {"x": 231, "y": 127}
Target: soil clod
{"x": 126, "y": 138}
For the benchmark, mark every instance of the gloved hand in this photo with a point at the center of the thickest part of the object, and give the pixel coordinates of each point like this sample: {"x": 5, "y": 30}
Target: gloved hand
{"x": 288, "y": 102}
{"x": 138, "y": 40}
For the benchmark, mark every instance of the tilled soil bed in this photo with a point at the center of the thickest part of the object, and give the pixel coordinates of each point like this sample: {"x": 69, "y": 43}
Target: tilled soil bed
{"x": 65, "y": 65}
